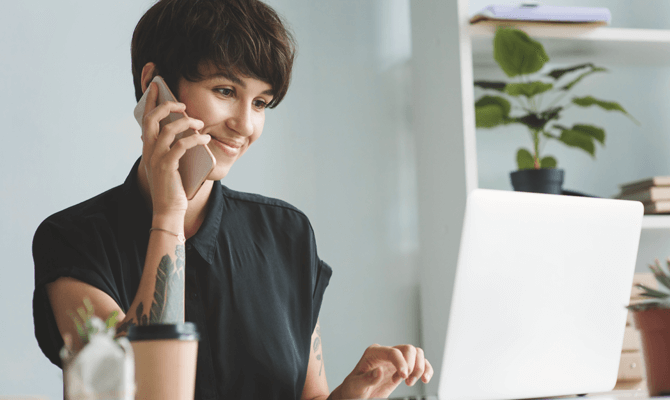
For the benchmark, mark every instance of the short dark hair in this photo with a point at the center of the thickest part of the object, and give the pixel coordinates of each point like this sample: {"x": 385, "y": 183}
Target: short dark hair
{"x": 238, "y": 37}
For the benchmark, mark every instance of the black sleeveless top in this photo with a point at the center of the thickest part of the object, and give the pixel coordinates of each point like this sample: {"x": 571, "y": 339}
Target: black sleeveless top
{"x": 254, "y": 282}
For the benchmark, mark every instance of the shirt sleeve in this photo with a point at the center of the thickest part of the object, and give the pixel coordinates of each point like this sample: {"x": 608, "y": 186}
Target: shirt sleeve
{"x": 62, "y": 249}
{"x": 323, "y": 275}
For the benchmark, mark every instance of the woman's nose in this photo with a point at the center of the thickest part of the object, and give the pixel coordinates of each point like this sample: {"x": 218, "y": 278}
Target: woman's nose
{"x": 241, "y": 121}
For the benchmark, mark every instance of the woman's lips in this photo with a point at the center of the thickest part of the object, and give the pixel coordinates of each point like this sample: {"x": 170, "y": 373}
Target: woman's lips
{"x": 230, "y": 149}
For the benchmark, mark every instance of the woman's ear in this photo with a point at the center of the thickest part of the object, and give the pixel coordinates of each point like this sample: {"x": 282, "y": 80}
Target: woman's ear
{"x": 148, "y": 73}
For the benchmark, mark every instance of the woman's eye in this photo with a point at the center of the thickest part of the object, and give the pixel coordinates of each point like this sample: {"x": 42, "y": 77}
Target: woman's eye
{"x": 225, "y": 91}
{"x": 260, "y": 104}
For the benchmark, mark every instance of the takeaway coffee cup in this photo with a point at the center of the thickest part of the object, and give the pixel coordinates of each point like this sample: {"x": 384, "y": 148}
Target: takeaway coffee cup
{"x": 165, "y": 360}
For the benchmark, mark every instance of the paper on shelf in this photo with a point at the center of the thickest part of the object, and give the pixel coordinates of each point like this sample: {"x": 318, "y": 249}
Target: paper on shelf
{"x": 543, "y": 14}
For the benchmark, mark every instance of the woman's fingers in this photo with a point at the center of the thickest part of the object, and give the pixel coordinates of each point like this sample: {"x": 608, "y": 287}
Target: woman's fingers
{"x": 390, "y": 354}
{"x": 151, "y": 129}
{"x": 153, "y": 117}
{"x": 428, "y": 373}
{"x": 180, "y": 146}
{"x": 419, "y": 367}
{"x": 166, "y": 138}
{"x": 410, "y": 362}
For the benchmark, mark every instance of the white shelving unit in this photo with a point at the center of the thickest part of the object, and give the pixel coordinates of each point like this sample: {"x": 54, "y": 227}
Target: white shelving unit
{"x": 446, "y": 49}
{"x": 601, "y": 45}
{"x": 656, "y": 222}
{"x": 604, "y": 45}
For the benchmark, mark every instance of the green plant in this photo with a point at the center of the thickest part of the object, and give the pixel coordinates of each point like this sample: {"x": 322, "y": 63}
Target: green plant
{"x": 85, "y": 323}
{"x": 521, "y": 57}
{"x": 656, "y": 298}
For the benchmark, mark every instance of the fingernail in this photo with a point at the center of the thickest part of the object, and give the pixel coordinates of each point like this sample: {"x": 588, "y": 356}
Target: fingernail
{"x": 404, "y": 372}
{"x": 412, "y": 381}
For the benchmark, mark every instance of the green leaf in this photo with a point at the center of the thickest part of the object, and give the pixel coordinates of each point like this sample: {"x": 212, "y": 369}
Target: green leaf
{"x": 79, "y": 326}
{"x": 549, "y": 135}
{"x": 524, "y": 159}
{"x": 558, "y": 73}
{"x": 89, "y": 307}
{"x": 548, "y": 162}
{"x": 649, "y": 292}
{"x": 578, "y": 139}
{"x": 538, "y": 121}
{"x": 82, "y": 314}
{"x": 491, "y": 85}
{"x": 590, "y": 101}
{"x": 112, "y": 320}
{"x": 529, "y": 89}
{"x": 660, "y": 274}
{"x": 582, "y": 76}
{"x": 607, "y": 105}
{"x": 593, "y": 131}
{"x": 516, "y": 53}
{"x": 491, "y": 111}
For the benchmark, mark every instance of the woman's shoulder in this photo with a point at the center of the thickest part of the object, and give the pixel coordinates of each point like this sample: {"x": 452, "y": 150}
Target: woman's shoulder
{"x": 253, "y": 200}
{"x": 90, "y": 213}
{"x": 271, "y": 213}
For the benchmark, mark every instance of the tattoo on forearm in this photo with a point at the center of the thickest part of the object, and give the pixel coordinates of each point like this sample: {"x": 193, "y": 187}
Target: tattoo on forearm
{"x": 122, "y": 329}
{"x": 316, "y": 346}
{"x": 168, "y": 303}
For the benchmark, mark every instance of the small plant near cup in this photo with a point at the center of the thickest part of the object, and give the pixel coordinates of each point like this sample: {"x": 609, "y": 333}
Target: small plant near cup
{"x": 86, "y": 324}
{"x": 652, "y": 319}
{"x": 656, "y": 298}
{"x": 104, "y": 366}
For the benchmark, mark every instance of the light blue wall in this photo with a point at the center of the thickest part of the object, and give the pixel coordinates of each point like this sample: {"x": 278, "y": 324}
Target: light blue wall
{"x": 631, "y": 152}
{"x": 339, "y": 148}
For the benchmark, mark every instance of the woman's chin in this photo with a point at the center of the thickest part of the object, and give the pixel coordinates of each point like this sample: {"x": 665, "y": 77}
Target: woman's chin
{"x": 219, "y": 172}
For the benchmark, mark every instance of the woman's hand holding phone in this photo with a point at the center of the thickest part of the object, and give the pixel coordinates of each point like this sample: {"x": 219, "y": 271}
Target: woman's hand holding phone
{"x": 162, "y": 155}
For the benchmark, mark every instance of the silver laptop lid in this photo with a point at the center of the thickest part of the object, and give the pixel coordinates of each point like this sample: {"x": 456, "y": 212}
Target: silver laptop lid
{"x": 541, "y": 286}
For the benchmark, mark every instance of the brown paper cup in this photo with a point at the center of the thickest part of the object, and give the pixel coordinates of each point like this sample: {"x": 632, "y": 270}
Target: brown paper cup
{"x": 165, "y": 360}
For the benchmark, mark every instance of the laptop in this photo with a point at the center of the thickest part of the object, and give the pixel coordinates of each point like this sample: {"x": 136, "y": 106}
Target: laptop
{"x": 538, "y": 306}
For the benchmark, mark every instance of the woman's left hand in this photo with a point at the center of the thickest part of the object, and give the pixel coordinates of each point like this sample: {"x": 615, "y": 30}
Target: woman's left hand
{"x": 381, "y": 369}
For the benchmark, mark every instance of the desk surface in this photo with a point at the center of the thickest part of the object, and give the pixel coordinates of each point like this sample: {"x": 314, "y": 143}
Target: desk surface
{"x": 615, "y": 395}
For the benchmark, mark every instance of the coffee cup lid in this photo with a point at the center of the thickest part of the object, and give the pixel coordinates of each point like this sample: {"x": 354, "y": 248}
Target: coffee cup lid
{"x": 183, "y": 331}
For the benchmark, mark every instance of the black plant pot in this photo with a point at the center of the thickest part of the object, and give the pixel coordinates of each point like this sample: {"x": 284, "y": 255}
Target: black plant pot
{"x": 543, "y": 180}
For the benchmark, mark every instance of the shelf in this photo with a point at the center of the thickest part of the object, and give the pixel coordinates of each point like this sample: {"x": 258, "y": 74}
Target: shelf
{"x": 603, "y": 46}
{"x": 656, "y": 222}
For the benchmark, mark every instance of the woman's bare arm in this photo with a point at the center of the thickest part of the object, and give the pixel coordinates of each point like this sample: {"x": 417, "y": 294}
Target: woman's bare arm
{"x": 159, "y": 298}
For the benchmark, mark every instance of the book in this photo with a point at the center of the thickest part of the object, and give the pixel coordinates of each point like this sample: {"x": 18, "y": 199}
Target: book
{"x": 645, "y": 183}
{"x": 541, "y": 13}
{"x": 657, "y": 207}
{"x": 648, "y": 195}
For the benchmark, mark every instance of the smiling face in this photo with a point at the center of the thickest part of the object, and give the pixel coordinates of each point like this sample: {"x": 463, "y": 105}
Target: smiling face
{"x": 232, "y": 108}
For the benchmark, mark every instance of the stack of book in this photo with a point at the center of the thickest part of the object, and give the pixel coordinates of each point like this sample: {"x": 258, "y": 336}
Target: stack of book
{"x": 653, "y": 192}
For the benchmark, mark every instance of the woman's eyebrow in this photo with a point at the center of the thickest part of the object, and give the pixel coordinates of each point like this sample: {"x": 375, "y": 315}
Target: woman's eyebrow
{"x": 233, "y": 78}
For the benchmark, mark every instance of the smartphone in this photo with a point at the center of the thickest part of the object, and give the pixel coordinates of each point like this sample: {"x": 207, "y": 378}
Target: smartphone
{"x": 198, "y": 162}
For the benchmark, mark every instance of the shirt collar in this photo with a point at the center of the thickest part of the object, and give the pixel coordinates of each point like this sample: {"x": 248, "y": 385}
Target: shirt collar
{"x": 205, "y": 240}
{"x": 135, "y": 217}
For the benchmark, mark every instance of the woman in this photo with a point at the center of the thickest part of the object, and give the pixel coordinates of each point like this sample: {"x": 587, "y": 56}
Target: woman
{"x": 243, "y": 267}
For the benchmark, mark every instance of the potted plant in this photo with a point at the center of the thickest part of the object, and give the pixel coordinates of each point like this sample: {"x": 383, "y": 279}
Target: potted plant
{"x": 652, "y": 319}
{"x": 535, "y": 100}
{"x": 104, "y": 367}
